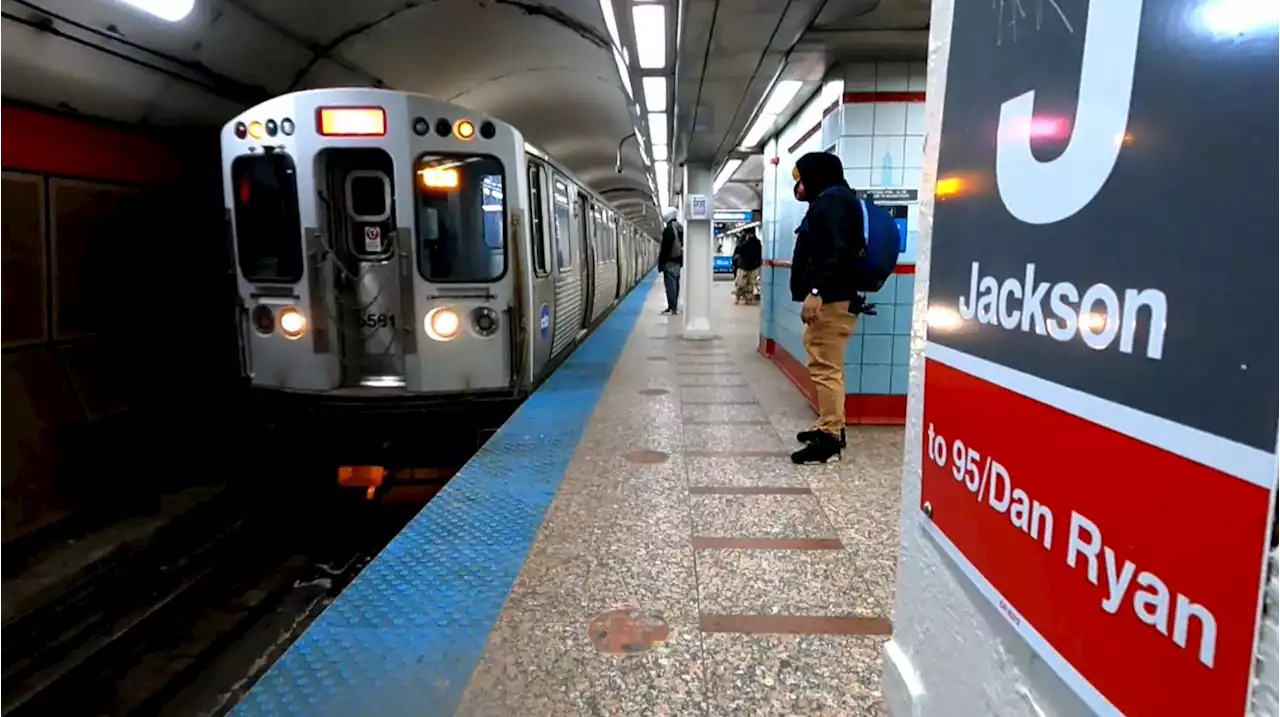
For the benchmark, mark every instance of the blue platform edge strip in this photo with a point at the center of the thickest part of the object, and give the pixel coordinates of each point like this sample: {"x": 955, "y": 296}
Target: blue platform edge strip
{"x": 405, "y": 636}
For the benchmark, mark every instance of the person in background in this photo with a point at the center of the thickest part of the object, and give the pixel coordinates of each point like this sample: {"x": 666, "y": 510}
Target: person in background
{"x": 747, "y": 260}
{"x": 671, "y": 258}
{"x": 829, "y": 243}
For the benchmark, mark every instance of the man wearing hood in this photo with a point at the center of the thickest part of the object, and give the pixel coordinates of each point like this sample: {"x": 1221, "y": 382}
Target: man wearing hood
{"x": 829, "y": 243}
{"x": 671, "y": 257}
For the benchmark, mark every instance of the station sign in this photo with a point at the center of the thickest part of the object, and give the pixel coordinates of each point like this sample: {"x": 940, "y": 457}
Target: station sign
{"x": 882, "y": 196}
{"x": 1100, "y": 414}
{"x": 729, "y": 216}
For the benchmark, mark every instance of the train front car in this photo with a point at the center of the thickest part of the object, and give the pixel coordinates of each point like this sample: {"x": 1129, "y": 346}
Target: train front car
{"x": 377, "y": 247}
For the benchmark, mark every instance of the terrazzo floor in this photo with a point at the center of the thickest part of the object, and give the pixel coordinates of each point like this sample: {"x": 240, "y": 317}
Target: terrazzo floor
{"x": 686, "y": 566}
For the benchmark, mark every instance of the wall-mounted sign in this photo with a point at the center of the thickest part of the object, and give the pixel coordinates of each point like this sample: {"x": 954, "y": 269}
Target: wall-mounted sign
{"x": 728, "y": 216}
{"x": 1099, "y": 426}
{"x": 722, "y": 264}
{"x": 892, "y": 195}
{"x": 699, "y": 208}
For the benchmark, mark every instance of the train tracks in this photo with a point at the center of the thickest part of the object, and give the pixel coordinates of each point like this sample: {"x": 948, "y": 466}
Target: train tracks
{"x": 183, "y": 621}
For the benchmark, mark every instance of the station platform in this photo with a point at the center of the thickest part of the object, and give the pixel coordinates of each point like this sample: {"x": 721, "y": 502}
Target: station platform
{"x": 634, "y": 541}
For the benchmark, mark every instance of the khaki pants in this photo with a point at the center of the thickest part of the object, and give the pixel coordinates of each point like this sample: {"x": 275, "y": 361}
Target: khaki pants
{"x": 824, "y": 343}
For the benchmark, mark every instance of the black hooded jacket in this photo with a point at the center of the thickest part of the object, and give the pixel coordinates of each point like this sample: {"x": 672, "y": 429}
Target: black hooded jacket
{"x": 830, "y": 238}
{"x": 748, "y": 255}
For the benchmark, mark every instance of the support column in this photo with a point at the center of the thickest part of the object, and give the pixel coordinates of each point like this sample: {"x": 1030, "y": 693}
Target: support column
{"x": 697, "y": 252}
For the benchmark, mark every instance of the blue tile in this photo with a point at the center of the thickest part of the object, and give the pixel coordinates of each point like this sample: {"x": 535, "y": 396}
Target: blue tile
{"x": 887, "y": 293}
{"x": 853, "y": 351}
{"x": 901, "y": 350}
{"x": 879, "y": 323}
{"x": 876, "y": 379}
{"x": 898, "y": 380}
{"x": 877, "y": 349}
{"x": 852, "y": 379}
{"x": 906, "y": 289}
{"x": 902, "y": 319}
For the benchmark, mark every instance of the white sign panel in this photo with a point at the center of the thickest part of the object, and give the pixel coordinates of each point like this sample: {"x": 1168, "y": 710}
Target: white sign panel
{"x": 699, "y": 207}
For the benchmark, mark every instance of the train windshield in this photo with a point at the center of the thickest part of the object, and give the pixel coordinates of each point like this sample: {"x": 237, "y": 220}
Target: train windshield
{"x": 268, "y": 228}
{"x": 461, "y": 215}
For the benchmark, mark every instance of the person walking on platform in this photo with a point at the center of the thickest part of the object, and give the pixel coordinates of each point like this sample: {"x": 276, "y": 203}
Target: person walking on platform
{"x": 829, "y": 242}
{"x": 747, "y": 260}
{"x": 671, "y": 258}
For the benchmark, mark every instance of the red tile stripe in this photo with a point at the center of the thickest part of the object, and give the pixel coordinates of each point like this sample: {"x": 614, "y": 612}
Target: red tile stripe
{"x": 860, "y": 98}
{"x": 749, "y": 490}
{"x": 784, "y": 264}
{"x": 795, "y": 625}
{"x": 702, "y": 543}
{"x": 859, "y": 408}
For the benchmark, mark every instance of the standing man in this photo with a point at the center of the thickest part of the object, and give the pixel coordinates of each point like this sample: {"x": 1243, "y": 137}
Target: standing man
{"x": 748, "y": 257}
{"x": 829, "y": 243}
{"x": 671, "y": 258}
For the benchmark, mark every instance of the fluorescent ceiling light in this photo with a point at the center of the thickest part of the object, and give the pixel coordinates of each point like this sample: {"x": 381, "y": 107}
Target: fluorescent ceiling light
{"x": 623, "y": 73}
{"x": 650, "y": 23}
{"x": 726, "y": 172}
{"x": 660, "y": 152}
{"x": 658, "y": 127}
{"x": 1236, "y": 17}
{"x": 781, "y": 96}
{"x": 171, "y": 10}
{"x": 610, "y": 22}
{"x": 763, "y": 124}
{"x": 663, "y": 170}
{"x": 655, "y": 93}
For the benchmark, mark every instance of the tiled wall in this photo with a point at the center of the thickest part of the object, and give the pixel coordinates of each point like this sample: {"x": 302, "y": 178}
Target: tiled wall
{"x": 877, "y": 129}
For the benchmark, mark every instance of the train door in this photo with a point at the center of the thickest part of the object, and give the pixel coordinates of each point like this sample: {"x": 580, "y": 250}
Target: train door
{"x": 566, "y": 317}
{"x": 544, "y": 290}
{"x": 586, "y": 226}
{"x": 358, "y": 201}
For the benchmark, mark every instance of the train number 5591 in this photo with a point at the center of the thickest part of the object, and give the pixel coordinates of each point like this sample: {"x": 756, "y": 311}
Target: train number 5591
{"x": 377, "y": 321}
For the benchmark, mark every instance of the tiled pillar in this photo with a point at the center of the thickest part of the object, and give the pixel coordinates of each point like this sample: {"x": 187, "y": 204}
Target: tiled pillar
{"x": 881, "y": 144}
{"x": 697, "y": 256}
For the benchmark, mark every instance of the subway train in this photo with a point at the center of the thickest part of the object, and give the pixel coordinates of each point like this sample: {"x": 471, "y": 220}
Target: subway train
{"x": 407, "y": 270}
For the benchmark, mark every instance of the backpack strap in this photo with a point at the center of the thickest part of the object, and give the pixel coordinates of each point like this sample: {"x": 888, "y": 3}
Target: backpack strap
{"x": 866, "y": 219}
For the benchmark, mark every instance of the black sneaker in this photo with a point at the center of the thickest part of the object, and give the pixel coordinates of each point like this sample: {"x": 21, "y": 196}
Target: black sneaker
{"x": 808, "y": 437}
{"x": 824, "y": 449}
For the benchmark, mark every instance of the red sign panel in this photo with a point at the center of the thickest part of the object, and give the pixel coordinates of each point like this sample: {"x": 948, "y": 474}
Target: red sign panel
{"x": 1134, "y": 571}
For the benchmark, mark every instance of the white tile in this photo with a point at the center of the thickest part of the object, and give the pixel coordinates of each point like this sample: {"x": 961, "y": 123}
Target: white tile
{"x": 918, "y": 79}
{"x": 891, "y": 117}
{"x": 858, "y": 177}
{"x": 886, "y": 151}
{"x": 915, "y": 118}
{"x": 860, "y": 77}
{"x": 859, "y": 119}
{"x": 913, "y": 151}
{"x": 886, "y": 177}
{"x": 913, "y": 217}
{"x": 912, "y": 177}
{"x": 856, "y": 151}
{"x": 892, "y": 76}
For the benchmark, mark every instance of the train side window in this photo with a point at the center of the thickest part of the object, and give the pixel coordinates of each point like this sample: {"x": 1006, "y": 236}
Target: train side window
{"x": 268, "y": 227}
{"x": 537, "y": 229}
{"x": 563, "y": 220}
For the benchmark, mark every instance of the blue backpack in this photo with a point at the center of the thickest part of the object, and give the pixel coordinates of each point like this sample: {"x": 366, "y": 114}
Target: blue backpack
{"x": 883, "y": 241}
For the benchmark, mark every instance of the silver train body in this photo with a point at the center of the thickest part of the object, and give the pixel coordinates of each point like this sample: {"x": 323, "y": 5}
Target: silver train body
{"x": 390, "y": 247}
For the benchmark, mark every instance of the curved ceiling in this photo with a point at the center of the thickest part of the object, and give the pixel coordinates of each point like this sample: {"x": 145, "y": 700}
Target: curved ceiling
{"x": 545, "y": 67}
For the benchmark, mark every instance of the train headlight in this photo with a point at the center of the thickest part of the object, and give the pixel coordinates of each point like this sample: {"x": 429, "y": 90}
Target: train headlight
{"x": 464, "y": 129}
{"x": 292, "y": 323}
{"x": 441, "y": 323}
{"x": 485, "y": 321}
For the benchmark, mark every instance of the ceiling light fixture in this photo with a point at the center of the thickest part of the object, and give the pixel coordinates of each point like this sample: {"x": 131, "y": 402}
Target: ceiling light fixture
{"x": 658, "y": 128}
{"x": 169, "y": 10}
{"x": 725, "y": 173}
{"x": 650, "y": 23}
{"x": 779, "y": 97}
{"x": 655, "y": 93}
